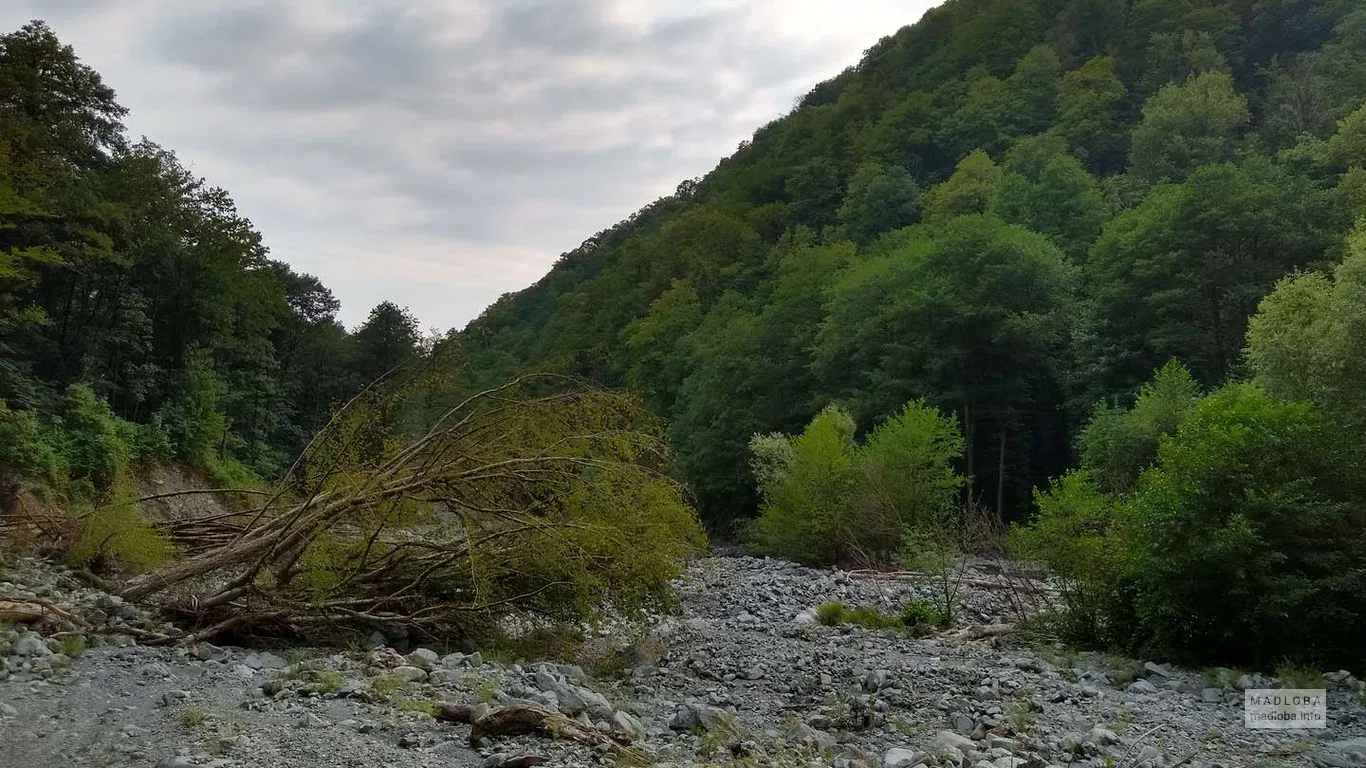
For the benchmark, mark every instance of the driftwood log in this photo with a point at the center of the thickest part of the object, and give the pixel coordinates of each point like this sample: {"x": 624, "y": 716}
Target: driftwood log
{"x": 525, "y": 720}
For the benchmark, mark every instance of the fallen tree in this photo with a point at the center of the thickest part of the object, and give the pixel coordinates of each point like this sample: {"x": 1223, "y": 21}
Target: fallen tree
{"x": 542, "y": 497}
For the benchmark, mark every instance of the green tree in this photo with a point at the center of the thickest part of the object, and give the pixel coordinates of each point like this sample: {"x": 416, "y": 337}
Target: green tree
{"x": 1178, "y": 275}
{"x": 1088, "y": 118}
{"x": 1048, "y": 191}
{"x": 879, "y": 199}
{"x": 907, "y": 477}
{"x": 386, "y": 341}
{"x": 1117, "y": 444}
{"x": 1347, "y": 147}
{"x": 1248, "y": 538}
{"x": 806, "y": 515}
{"x": 1307, "y": 340}
{"x": 967, "y": 191}
{"x": 1186, "y": 126}
{"x": 967, "y": 314}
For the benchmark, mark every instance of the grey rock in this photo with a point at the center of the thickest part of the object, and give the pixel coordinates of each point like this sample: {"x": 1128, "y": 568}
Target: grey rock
{"x": 1102, "y": 736}
{"x": 1353, "y": 747}
{"x": 424, "y": 658}
{"x": 805, "y": 735}
{"x": 1142, "y": 687}
{"x": 265, "y": 660}
{"x": 410, "y": 673}
{"x": 627, "y": 725}
{"x": 898, "y": 757}
{"x": 30, "y": 645}
{"x": 1157, "y": 670}
{"x": 949, "y": 739}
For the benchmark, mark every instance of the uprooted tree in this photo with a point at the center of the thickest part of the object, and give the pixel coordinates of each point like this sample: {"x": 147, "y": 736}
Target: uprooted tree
{"x": 543, "y": 498}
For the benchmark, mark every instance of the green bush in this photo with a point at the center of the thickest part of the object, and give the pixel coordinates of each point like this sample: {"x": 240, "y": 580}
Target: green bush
{"x": 1242, "y": 545}
{"x": 806, "y": 510}
{"x": 1117, "y": 444}
{"x": 827, "y": 499}
{"x": 1076, "y": 535}
{"x": 30, "y": 448}
{"x": 906, "y": 475}
{"x": 921, "y": 614}
{"x": 1249, "y": 537}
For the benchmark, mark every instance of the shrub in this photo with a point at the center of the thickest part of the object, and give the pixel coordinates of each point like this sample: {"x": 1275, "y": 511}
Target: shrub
{"x": 30, "y": 448}
{"x": 1072, "y": 535}
{"x": 919, "y": 614}
{"x": 831, "y": 614}
{"x": 1249, "y": 537}
{"x": 806, "y": 512}
{"x": 1242, "y": 544}
{"x": 114, "y": 532}
{"x": 827, "y": 499}
{"x": 1291, "y": 675}
{"x": 1117, "y": 445}
{"x": 906, "y": 473}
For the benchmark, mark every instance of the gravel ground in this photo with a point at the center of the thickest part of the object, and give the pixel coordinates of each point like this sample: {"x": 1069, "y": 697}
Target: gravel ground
{"x": 742, "y": 677}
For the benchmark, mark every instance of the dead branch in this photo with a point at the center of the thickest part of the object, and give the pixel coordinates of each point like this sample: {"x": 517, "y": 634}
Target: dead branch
{"x": 981, "y": 632}
{"x": 523, "y": 720}
{"x": 452, "y": 527}
{"x": 26, "y": 610}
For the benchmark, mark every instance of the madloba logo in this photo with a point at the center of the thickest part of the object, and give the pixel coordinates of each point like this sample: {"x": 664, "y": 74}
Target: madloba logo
{"x": 1285, "y": 708}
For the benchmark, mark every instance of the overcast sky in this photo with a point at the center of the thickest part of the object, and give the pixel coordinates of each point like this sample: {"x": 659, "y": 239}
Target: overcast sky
{"x": 442, "y": 152}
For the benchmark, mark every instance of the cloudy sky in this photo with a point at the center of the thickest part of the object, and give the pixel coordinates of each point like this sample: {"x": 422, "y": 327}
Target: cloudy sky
{"x": 442, "y": 152}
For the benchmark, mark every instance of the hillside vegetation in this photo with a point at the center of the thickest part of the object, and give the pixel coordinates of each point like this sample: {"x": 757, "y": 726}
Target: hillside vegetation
{"x": 1013, "y": 209}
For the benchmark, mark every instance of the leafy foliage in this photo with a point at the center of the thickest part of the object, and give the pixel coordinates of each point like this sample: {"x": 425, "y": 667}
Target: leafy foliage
{"x": 1011, "y": 209}
{"x": 828, "y": 499}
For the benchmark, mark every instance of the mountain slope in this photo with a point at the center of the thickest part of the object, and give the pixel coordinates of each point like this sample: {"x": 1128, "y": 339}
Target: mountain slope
{"x": 1160, "y": 163}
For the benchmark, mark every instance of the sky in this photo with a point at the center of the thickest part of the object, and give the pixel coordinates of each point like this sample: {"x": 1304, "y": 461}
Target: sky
{"x": 439, "y": 153}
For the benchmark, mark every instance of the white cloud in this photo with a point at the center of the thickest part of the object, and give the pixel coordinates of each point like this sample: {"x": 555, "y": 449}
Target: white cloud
{"x": 443, "y": 152}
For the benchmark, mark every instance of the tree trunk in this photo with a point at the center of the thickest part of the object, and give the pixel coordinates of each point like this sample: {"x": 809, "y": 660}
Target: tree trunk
{"x": 1001, "y": 477}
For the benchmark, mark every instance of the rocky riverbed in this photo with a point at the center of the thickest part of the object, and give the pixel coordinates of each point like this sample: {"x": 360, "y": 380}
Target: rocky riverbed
{"x": 741, "y": 677}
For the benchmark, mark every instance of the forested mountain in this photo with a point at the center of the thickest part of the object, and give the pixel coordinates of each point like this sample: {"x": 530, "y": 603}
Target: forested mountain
{"x": 1014, "y": 209}
{"x": 140, "y": 314}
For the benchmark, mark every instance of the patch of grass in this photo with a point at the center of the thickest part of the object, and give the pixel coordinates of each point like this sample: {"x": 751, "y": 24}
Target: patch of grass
{"x": 73, "y": 645}
{"x": 424, "y": 706}
{"x": 1213, "y": 734}
{"x": 1020, "y": 715}
{"x": 1300, "y": 676}
{"x": 1296, "y": 747}
{"x": 835, "y": 613}
{"x": 385, "y": 687}
{"x": 922, "y": 614}
{"x": 330, "y": 681}
{"x": 552, "y": 642}
{"x": 831, "y": 614}
{"x": 1120, "y": 669}
{"x": 1124, "y": 720}
{"x": 192, "y": 718}
{"x": 872, "y": 618}
{"x": 719, "y": 736}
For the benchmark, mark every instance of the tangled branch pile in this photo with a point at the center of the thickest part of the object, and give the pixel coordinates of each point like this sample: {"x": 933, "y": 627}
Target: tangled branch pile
{"x": 513, "y": 501}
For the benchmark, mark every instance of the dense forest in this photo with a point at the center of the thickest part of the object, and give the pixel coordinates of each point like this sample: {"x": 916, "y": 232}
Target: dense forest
{"x": 1014, "y": 209}
{"x": 139, "y": 309}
